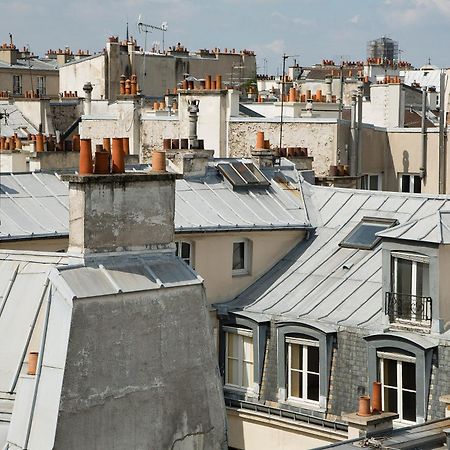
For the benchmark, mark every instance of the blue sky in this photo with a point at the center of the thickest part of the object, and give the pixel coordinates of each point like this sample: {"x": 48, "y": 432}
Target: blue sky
{"x": 313, "y": 29}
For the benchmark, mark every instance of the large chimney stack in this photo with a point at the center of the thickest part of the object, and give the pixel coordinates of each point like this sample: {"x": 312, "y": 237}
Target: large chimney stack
{"x": 121, "y": 212}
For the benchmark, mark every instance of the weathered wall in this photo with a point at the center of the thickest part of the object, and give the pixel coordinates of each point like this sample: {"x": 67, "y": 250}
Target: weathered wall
{"x": 141, "y": 373}
{"x": 73, "y": 76}
{"x": 267, "y": 249}
{"x": 320, "y": 137}
{"x": 153, "y": 131}
{"x": 248, "y": 431}
{"x": 30, "y": 81}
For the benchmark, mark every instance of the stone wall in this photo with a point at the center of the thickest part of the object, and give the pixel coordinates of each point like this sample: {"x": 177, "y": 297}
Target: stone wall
{"x": 320, "y": 137}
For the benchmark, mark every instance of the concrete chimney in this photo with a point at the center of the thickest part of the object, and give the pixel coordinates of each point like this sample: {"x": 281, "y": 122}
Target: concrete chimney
{"x": 87, "y": 88}
{"x": 193, "y": 110}
{"x": 121, "y": 212}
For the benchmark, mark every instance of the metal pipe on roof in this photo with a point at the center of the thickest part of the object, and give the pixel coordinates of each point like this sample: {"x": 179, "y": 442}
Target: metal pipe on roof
{"x": 359, "y": 132}
{"x": 423, "y": 166}
{"x": 353, "y": 138}
{"x": 442, "y": 134}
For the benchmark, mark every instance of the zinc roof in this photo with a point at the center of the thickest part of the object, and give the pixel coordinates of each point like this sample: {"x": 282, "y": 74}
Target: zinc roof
{"x": 15, "y": 122}
{"x": 35, "y": 205}
{"x": 321, "y": 281}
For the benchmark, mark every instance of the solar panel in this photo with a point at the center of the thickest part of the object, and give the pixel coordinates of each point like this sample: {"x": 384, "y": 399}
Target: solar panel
{"x": 241, "y": 174}
{"x": 363, "y": 236}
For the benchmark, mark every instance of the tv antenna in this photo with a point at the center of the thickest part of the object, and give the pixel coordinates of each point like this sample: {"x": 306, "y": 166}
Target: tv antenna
{"x": 144, "y": 27}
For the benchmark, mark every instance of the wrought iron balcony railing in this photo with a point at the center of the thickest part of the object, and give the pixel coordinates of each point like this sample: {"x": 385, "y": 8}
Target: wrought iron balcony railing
{"x": 406, "y": 308}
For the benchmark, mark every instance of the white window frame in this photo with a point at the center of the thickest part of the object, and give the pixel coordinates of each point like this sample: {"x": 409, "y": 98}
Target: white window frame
{"x": 411, "y": 182}
{"x": 189, "y": 261}
{"x": 399, "y": 359}
{"x": 304, "y": 343}
{"x": 414, "y": 259}
{"x": 368, "y": 176}
{"x": 19, "y": 89}
{"x": 246, "y": 269}
{"x": 240, "y": 359}
{"x": 42, "y": 84}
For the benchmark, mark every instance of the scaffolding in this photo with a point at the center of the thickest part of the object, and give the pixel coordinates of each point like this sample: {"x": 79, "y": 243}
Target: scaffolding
{"x": 384, "y": 48}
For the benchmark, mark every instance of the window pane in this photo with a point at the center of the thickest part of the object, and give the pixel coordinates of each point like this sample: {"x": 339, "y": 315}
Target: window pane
{"x": 313, "y": 359}
{"x": 247, "y": 374}
{"x": 296, "y": 356}
{"x": 313, "y": 387}
{"x": 364, "y": 182}
{"x": 238, "y": 255}
{"x": 232, "y": 373}
{"x": 390, "y": 400}
{"x": 232, "y": 345}
{"x": 417, "y": 184}
{"x": 409, "y": 376}
{"x": 248, "y": 349}
{"x": 185, "y": 250}
{"x": 296, "y": 384}
{"x": 177, "y": 248}
{"x": 409, "y": 406}
{"x": 405, "y": 183}
{"x": 390, "y": 372}
{"x": 404, "y": 274}
{"x": 423, "y": 289}
{"x": 373, "y": 182}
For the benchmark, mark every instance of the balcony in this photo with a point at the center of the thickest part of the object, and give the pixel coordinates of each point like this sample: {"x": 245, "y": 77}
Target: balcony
{"x": 408, "y": 310}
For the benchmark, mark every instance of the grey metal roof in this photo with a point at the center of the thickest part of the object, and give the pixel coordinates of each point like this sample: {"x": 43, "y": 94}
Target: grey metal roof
{"x": 35, "y": 205}
{"x": 127, "y": 273}
{"x": 15, "y": 122}
{"x": 23, "y": 288}
{"x": 434, "y": 229}
{"x": 32, "y": 63}
{"x": 321, "y": 281}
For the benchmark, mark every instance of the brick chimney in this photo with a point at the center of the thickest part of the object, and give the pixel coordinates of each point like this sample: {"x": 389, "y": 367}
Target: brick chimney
{"x": 121, "y": 212}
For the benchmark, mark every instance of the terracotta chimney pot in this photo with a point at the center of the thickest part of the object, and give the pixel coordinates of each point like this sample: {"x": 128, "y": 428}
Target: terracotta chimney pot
{"x": 76, "y": 143}
{"x": 219, "y": 82}
{"x": 208, "y": 82}
{"x": 126, "y": 145}
{"x": 127, "y": 87}
{"x": 85, "y": 157}
{"x": 267, "y": 144}
{"x": 158, "y": 161}
{"x": 292, "y": 95}
{"x": 364, "y": 406}
{"x": 260, "y": 140}
{"x": 122, "y": 85}
{"x": 376, "y": 397}
{"x": 32, "y": 363}
{"x": 39, "y": 142}
{"x": 102, "y": 162}
{"x": 167, "y": 143}
{"x": 118, "y": 157}
{"x": 107, "y": 144}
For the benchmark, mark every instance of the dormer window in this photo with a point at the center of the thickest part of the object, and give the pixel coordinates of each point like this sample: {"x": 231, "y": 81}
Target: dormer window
{"x": 409, "y": 299}
{"x": 363, "y": 236}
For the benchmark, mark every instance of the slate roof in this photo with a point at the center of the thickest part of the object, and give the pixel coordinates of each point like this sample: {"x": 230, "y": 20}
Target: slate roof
{"x": 33, "y": 64}
{"x": 319, "y": 281}
{"x": 35, "y": 205}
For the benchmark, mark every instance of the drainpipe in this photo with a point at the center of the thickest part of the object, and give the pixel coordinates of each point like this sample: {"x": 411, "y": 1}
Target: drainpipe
{"x": 353, "y": 138}
{"x": 193, "y": 119}
{"x": 442, "y": 135}
{"x": 423, "y": 166}
{"x": 359, "y": 133}
{"x": 87, "y": 88}
{"x": 329, "y": 92}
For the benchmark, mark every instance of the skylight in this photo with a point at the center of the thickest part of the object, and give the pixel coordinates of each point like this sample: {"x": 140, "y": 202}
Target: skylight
{"x": 242, "y": 175}
{"x": 363, "y": 236}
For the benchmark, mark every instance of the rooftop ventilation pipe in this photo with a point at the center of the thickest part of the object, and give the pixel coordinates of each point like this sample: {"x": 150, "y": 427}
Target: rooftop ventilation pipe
{"x": 193, "y": 110}
{"x": 442, "y": 134}
{"x": 87, "y": 88}
{"x": 423, "y": 166}
{"x": 353, "y": 138}
{"x": 329, "y": 92}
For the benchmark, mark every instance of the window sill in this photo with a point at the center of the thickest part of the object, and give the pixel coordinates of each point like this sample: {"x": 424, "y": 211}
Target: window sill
{"x": 304, "y": 404}
{"x": 247, "y": 392}
{"x": 244, "y": 273}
